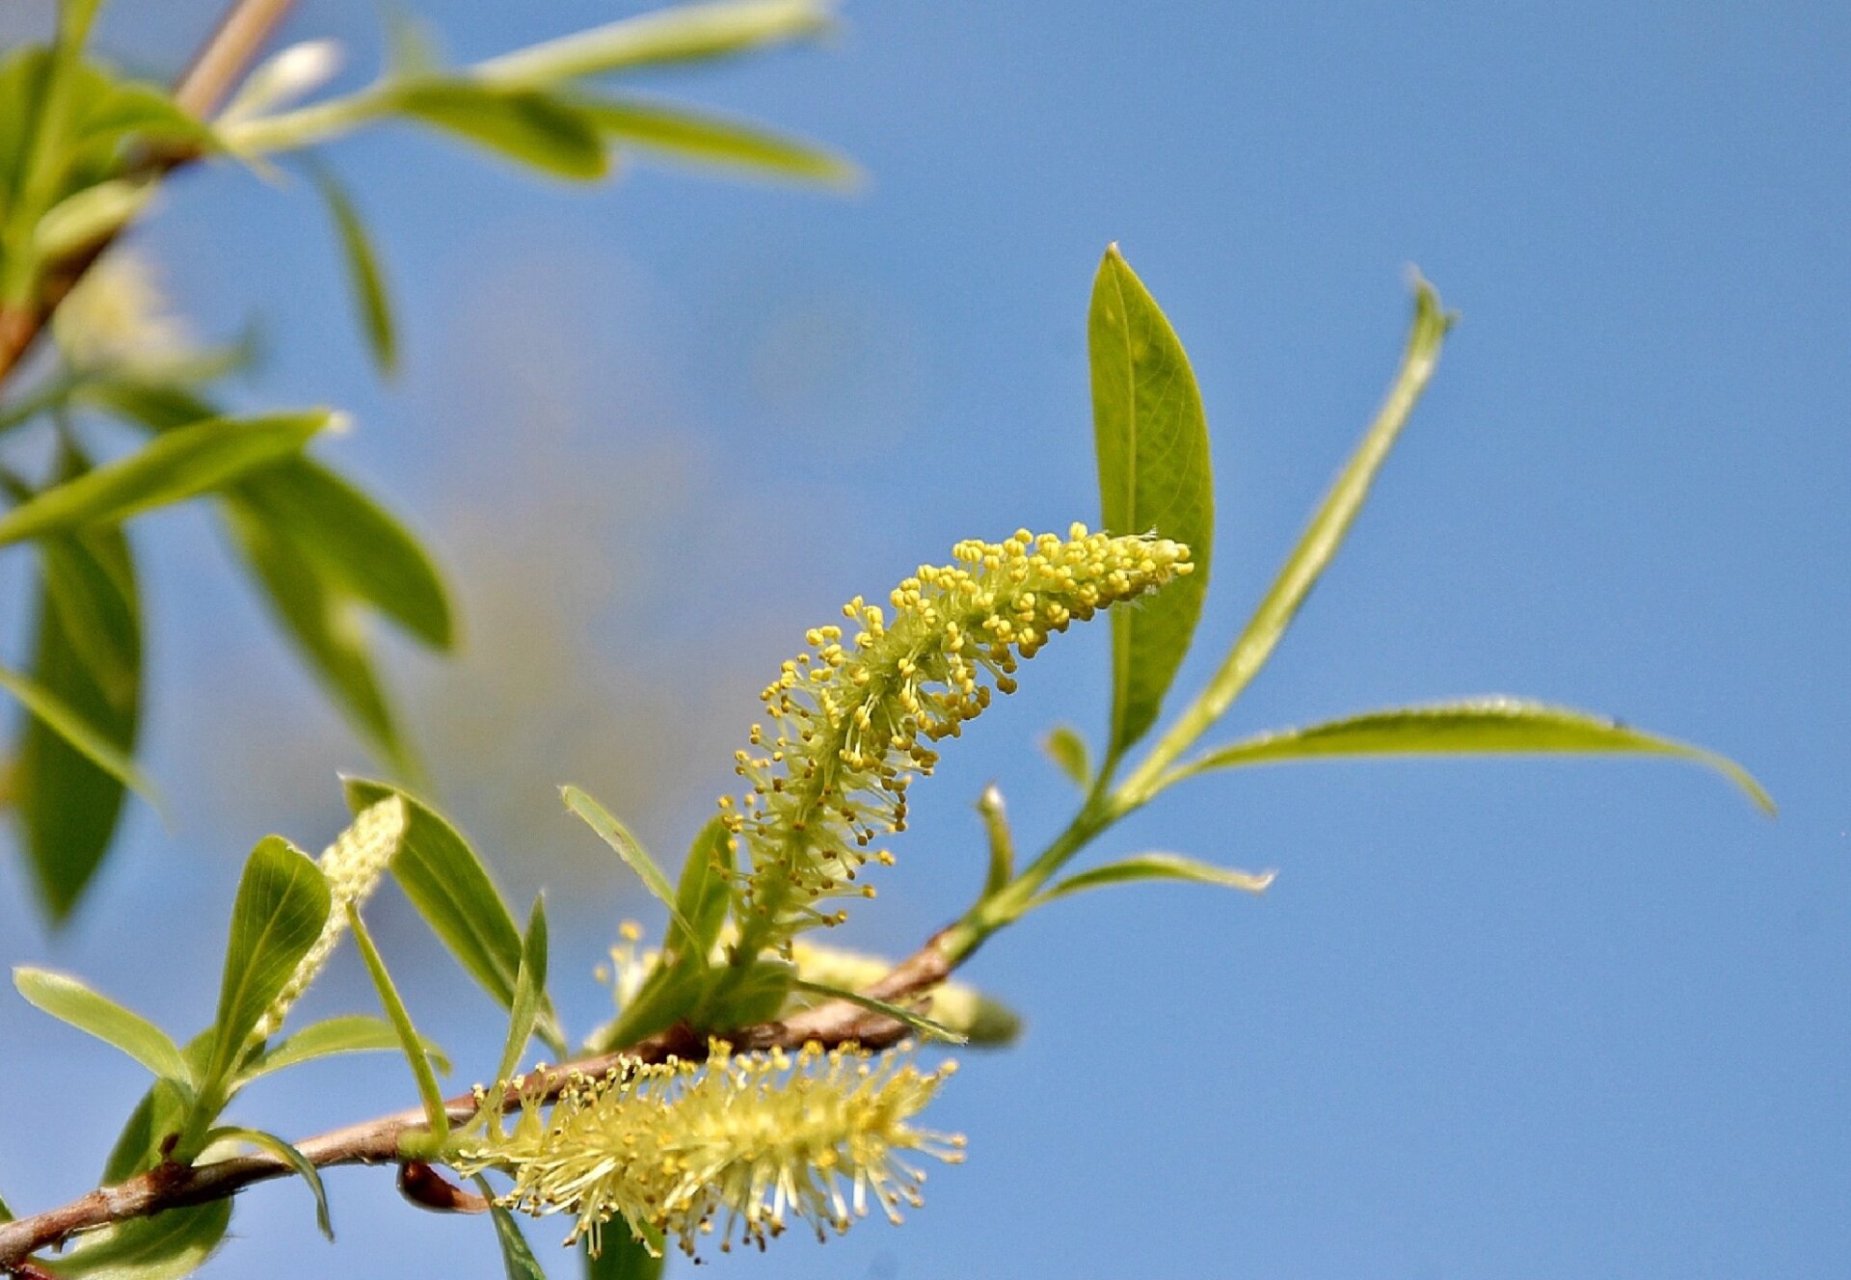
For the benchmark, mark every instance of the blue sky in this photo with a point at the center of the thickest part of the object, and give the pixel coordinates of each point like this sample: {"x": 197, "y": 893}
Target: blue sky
{"x": 1515, "y": 1019}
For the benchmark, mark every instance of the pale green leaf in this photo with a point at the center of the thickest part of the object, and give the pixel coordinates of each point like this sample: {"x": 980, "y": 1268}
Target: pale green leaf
{"x": 529, "y": 991}
{"x": 165, "y": 1247}
{"x": 1156, "y": 866}
{"x": 436, "y": 1116}
{"x": 1478, "y": 726}
{"x": 352, "y": 1033}
{"x": 703, "y": 894}
{"x": 1000, "y": 837}
{"x": 288, "y": 1154}
{"x": 532, "y": 128}
{"x": 1067, "y": 749}
{"x": 171, "y": 468}
{"x": 699, "y": 138}
{"x": 1151, "y": 439}
{"x": 70, "y": 1001}
{"x": 363, "y": 272}
{"x": 156, "y": 1121}
{"x": 682, "y": 33}
{"x": 90, "y": 216}
{"x": 630, "y": 849}
{"x": 282, "y": 904}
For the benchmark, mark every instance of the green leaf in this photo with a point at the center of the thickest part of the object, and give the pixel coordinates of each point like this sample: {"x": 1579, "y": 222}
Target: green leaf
{"x": 171, "y": 468}
{"x": 453, "y": 891}
{"x": 355, "y": 543}
{"x": 157, "y": 405}
{"x": 282, "y": 905}
{"x": 1478, "y": 726}
{"x": 749, "y": 997}
{"x": 683, "y": 33}
{"x": 630, "y": 849}
{"x": 533, "y": 128}
{"x": 1155, "y": 866}
{"x": 1067, "y": 749}
{"x": 516, "y": 1255}
{"x": 288, "y": 1155}
{"x": 130, "y": 109}
{"x": 353, "y": 1033}
{"x": 905, "y": 1017}
{"x": 324, "y": 624}
{"x": 90, "y": 216}
{"x": 157, "y": 1119}
{"x": 713, "y": 140}
{"x": 1318, "y": 545}
{"x": 529, "y": 991}
{"x": 1154, "y": 477}
{"x": 703, "y": 895}
{"x": 6, "y": 1210}
{"x": 1001, "y": 840}
{"x": 435, "y": 1114}
{"x": 90, "y": 739}
{"x": 70, "y": 1001}
{"x": 165, "y": 1247}
{"x": 624, "y": 1257}
{"x": 363, "y": 273}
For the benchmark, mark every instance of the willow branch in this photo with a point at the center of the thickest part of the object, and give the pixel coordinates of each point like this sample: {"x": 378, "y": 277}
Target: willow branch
{"x": 221, "y": 61}
{"x": 379, "y": 1141}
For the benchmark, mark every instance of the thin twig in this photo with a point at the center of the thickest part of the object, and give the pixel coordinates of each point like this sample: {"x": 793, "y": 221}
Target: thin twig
{"x": 215, "y": 69}
{"x": 378, "y": 1141}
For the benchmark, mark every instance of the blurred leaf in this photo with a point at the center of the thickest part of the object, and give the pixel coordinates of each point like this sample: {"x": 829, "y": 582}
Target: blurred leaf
{"x": 90, "y": 216}
{"x": 363, "y": 274}
{"x": 516, "y": 1255}
{"x": 353, "y": 1033}
{"x": 157, "y": 405}
{"x": 1479, "y": 726}
{"x": 89, "y": 738}
{"x": 323, "y": 622}
{"x": 293, "y": 1158}
{"x": 1155, "y": 866}
{"x": 1318, "y": 545}
{"x": 454, "y": 893}
{"x": 707, "y": 139}
{"x": 749, "y": 997}
{"x": 6, "y": 1210}
{"x": 623, "y": 1257}
{"x": 86, "y": 651}
{"x": 355, "y": 542}
{"x": 410, "y": 1042}
{"x": 533, "y": 128}
{"x": 703, "y": 895}
{"x": 684, "y": 33}
{"x": 1067, "y": 749}
{"x": 905, "y": 1017}
{"x": 171, "y": 468}
{"x": 529, "y": 991}
{"x": 630, "y": 849}
{"x": 130, "y": 109}
{"x": 70, "y": 1001}
{"x": 282, "y": 904}
{"x": 164, "y": 1247}
{"x": 1154, "y": 477}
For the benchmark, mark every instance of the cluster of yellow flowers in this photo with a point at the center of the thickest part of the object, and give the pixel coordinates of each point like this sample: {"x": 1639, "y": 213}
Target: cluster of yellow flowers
{"x": 851, "y": 723}
{"x": 741, "y": 1145}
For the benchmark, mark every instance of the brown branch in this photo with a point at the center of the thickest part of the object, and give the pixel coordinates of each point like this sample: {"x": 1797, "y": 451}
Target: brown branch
{"x": 377, "y": 1141}
{"x": 218, "y": 65}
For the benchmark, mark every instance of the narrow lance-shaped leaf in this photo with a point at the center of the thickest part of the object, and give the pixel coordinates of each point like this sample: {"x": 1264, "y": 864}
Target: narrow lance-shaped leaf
{"x": 905, "y": 1017}
{"x": 629, "y": 848}
{"x": 707, "y": 139}
{"x": 70, "y": 1001}
{"x": 282, "y": 904}
{"x": 351, "y": 1033}
{"x": 89, "y": 216}
{"x": 71, "y": 725}
{"x": 172, "y": 468}
{"x": 1151, "y": 438}
{"x": 363, "y": 272}
{"x": 529, "y": 990}
{"x": 516, "y": 1255}
{"x": 533, "y": 128}
{"x": 1156, "y": 866}
{"x": 1479, "y": 726}
{"x": 684, "y": 33}
{"x": 435, "y": 1114}
{"x": 703, "y": 894}
{"x": 288, "y": 1154}
{"x": 1000, "y": 838}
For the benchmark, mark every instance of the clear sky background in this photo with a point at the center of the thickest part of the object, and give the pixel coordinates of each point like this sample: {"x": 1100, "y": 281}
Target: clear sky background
{"x": 1511, "y": 1019}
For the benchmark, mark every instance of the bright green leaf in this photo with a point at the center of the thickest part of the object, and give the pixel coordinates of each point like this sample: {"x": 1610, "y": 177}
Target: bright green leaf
{"x": 1479, "y": 726}
{"x": 353, "y": 1033}
{"x": 282, "y": 905}
{"x": 703, "y": 894}
{"x": 1156, "y": 866}
{"x": 363, "y": 273}
{"x": 624, "y": 1257}
{"x": 1067, "y": 749}
{"x": 1151, "y": 440}
{"x": 165, "y": 1247}
{"x": 290, "y": 1156}
{"x": 171, "y": 468}
{"x": 516, "y": 1255}
{"x": 70, "y": 1001}
{"x": 683, "y": 33}
{"x": 630, "y": 849}
{"x": 436, "y": 1116}
{"x": 529, "y": 991}
{"x": 706, "y": 139}
{"x": 532, "y": 128}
